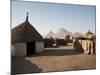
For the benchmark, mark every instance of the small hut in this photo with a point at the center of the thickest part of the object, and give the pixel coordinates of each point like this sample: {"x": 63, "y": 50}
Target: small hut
{"x": 86, "y": 43}
{"x": 26, "y": 40}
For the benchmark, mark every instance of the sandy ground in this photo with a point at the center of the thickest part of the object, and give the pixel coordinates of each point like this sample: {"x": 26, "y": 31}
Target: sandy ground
{"x": 54, "y": 59}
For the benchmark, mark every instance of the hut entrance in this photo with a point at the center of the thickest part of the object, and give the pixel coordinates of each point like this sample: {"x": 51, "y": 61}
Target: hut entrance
{"x": 30, "y": 48}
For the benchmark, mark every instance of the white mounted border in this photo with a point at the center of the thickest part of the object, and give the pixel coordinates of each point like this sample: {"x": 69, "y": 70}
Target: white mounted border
{"x": 5, "y": 37}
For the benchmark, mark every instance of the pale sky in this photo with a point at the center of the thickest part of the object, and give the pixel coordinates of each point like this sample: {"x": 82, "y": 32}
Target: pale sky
{"x": 49, "y": 16}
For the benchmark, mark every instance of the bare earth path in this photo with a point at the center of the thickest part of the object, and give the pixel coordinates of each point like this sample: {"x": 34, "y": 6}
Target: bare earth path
{"x": 54, "y": 59}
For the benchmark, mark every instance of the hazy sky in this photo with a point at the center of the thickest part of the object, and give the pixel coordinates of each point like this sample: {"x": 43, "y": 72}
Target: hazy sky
{"x": 46, "y": 16}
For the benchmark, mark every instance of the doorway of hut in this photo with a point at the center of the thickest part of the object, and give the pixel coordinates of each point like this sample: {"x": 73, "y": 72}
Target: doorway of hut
{"x": 30, "y": 48}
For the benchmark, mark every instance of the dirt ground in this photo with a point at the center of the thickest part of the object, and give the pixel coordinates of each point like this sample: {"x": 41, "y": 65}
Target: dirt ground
{"x": 64, "y": 58}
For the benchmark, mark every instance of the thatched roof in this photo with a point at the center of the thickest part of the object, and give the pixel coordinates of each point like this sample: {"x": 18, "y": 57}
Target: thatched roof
{"x": 25, "y": 32}
{"x": 77, "y": 35}
{"x": 89, "y": 33}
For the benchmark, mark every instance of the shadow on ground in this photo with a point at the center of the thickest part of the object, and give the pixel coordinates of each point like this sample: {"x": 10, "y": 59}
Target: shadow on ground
{"x": 62, "y": 52}
{"x": 19, "y": 65}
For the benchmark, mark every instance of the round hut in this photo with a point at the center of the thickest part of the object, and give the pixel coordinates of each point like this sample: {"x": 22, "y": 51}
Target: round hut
{"x": 26, "y": 40}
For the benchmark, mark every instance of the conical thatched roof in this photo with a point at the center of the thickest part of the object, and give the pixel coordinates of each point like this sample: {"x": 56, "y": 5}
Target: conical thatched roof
{"x": 89, "y": 33}
{"x": 25, "y": 32}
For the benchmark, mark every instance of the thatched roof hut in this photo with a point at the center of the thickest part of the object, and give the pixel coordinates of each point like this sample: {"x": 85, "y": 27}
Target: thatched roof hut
{"x": 26, "y": 40}
{"x": 86, "y": 43}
